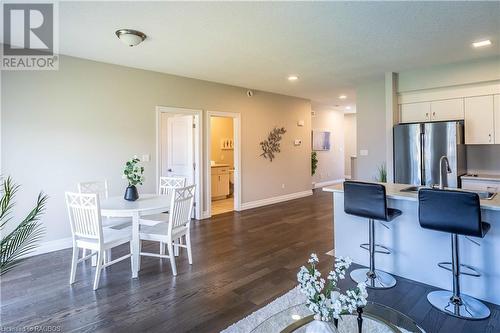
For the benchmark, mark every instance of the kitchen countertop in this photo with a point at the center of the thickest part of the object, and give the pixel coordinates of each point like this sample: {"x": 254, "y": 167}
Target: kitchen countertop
{"x": 393, "y": 191}
{"x": 495, "y": 178}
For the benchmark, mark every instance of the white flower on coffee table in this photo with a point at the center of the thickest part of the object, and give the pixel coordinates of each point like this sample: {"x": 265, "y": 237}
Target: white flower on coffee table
{"x": 324, "y": 298}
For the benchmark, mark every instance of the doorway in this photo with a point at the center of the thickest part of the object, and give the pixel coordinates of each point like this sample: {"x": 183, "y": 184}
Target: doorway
{"x": 178, "y": 141}
{"x": 223, "y": 161}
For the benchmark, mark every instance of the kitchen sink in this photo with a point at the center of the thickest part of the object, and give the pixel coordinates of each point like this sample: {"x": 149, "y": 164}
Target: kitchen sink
{"x": 413, "y": 188}
{"x": 483, "y": 195}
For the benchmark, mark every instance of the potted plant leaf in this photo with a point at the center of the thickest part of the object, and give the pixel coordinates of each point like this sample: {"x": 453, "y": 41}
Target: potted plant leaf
{"x": 134, "y": 175}
{"x": 21, "y": 241}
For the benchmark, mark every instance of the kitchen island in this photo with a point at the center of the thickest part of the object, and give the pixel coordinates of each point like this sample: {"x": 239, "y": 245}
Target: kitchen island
{"x": 417, "y": 251}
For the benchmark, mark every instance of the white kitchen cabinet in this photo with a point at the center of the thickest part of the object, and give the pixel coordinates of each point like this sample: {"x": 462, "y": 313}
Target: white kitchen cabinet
{"x": 479, "y": 120}
{"x": 480, "y": 185}
{"x": 496, "y": 116}
{"x": 449, "y": 109}
{"x": 220, "y": 182}
{"x": 415, "y": 112}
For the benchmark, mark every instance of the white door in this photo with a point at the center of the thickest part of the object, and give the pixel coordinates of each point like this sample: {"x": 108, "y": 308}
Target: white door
{"x": 415, "y": 112}
{"x": 496, "y": 115}
{"x": 179, "y": 159}
{"x": 479, "y": 121}
{"x": 450, "y": 109}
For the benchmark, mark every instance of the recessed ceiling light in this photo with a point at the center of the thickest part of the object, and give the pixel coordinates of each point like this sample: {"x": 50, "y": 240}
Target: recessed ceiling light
{"x": 482, "y": 43}
{"x": 296, "y": 317}
{"x": 130, "y": 37}
{"x": 293, "y": 78}
{"x": 347, "y": 107}
{"x": 342, "y": 96}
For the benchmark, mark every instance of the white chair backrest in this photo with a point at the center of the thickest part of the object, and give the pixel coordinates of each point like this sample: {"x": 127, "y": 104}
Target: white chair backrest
{"x": 97, "y": 187}
{"x": 168, "y": 184}
{"x": 84, "y": 215}
{"x": 181, "y": 206}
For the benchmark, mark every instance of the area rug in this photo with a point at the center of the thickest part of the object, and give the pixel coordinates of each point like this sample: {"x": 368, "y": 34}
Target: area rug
{"x": 292, "y": 298}
{"x": 247, "y": 324}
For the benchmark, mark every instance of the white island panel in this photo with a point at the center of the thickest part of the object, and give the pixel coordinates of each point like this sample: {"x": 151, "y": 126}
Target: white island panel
{"x": 416, "y": 251}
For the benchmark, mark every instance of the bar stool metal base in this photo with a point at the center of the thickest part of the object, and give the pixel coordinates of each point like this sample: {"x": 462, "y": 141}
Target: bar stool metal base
{"x": 380, "y": 280}
{"x": 465, "y": 307}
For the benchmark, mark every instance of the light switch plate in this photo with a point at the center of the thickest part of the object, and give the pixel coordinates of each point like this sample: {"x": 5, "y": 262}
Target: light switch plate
{"x": 146, "y": 158}
{"x": 300, "y": 123}
{"x": 363, "y": 152}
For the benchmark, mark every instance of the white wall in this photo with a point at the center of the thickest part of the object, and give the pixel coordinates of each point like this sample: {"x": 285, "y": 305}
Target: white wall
{"x": 349, "y": 141}
{"x": 330, "y": 163}
{"x": 371, "y": 128}
{"x": 450, "y": 75}
{"x": 85, "y": 120}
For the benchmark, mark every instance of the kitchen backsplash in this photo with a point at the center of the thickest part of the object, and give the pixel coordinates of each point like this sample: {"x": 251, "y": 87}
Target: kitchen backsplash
{"x": 483, "y": 159}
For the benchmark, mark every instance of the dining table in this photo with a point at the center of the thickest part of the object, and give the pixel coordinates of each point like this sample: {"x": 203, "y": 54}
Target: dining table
{"x": 147, "y": 204}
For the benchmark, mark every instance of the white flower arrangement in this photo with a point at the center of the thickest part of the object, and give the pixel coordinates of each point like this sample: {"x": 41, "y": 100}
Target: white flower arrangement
{"x": 324, "y": 298}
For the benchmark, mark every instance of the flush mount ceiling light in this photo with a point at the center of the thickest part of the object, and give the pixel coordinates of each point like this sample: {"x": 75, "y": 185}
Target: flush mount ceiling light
{"x": 342, "y": 96}
{"x": 130, "y": 37}
{"x": 347, "y": 107}
{"x": 482, "y": 43}
{"x": 293, "y": 77}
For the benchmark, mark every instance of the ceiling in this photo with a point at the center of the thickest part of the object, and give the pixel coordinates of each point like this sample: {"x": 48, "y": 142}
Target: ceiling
{"x": 331, "y": 46}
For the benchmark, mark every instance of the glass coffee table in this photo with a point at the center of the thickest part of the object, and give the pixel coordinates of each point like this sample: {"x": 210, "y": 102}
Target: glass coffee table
{"x": 376, "y": 318}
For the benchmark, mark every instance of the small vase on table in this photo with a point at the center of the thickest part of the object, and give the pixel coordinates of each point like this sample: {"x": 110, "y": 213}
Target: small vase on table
{"x": 134, "y": 174}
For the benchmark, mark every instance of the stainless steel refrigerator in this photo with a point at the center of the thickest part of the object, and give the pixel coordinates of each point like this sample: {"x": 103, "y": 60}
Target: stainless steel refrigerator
{"x": 418, "y": 148}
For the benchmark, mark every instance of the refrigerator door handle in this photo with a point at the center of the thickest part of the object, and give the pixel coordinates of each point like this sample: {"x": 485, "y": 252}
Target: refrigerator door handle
{"x": 422, "y": 159}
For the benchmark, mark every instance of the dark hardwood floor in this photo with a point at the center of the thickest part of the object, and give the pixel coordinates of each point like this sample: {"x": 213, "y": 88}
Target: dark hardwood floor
{"x": 242, "y": 261}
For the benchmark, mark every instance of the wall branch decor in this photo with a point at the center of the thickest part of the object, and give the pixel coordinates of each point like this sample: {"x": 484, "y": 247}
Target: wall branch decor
{"x": 271, "y": 146}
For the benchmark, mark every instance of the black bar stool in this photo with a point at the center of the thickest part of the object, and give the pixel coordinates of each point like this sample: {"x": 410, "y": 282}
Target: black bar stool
{"x": 369, "y": 200}
{"x": 457, "y": 213}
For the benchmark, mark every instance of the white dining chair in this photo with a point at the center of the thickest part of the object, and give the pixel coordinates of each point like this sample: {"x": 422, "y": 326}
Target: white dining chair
{"x": 178, "y": 226}
{"x": 100, "y": 187}
{"x": 88, "y": 233}
{"x": 167, "y": 185}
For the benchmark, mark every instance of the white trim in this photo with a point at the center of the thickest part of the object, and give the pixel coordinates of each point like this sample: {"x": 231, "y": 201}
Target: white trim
{"x": 442, "y": 93}
{"x": 346, "y": 177}
{"x": 51, "y": 246}
{"x": 237, "y": 159}
{"x": 328, "y": 182}
{"x": 198, "y": 158}
{"x": 273, "y": 200}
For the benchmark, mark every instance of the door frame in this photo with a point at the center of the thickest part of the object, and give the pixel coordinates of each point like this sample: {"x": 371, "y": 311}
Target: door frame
{"x": 198, "y": 151}
{"x": 237, "y": 158}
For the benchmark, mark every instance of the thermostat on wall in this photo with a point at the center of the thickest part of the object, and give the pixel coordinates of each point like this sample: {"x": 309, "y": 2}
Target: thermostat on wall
{"x": 300, "y": 123}
{"x": 297, "y": 142}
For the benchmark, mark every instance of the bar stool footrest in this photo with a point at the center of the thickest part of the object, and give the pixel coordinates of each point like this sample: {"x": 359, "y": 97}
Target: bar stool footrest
{"x": 468, "y": 270}
{"x": 378, "y": 248}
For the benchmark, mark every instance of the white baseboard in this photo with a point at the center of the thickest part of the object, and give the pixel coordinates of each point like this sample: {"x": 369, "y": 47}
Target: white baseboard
{"x": 50, "y": 246}
{"x": 328, "y": 182}
{"x": 273, "y": 200}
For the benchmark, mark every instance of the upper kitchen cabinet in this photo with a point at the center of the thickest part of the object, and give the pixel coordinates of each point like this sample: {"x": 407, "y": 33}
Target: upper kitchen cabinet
{"x": 415, "y": 112}
{"x": 496, "y": 115}
{"x": 449, "y": 109}
{"x": 479, "y": 120}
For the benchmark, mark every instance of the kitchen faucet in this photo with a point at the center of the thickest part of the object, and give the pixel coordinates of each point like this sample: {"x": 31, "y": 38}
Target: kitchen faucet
{"x": 448, "y": 169}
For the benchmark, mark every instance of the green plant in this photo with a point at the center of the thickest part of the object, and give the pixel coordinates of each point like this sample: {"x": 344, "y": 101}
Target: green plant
{"x": 133, "y": 173}
{"x": 314, "y": 162}
{"x": 25, "y": 237}
{"x": 382, "y": 174}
